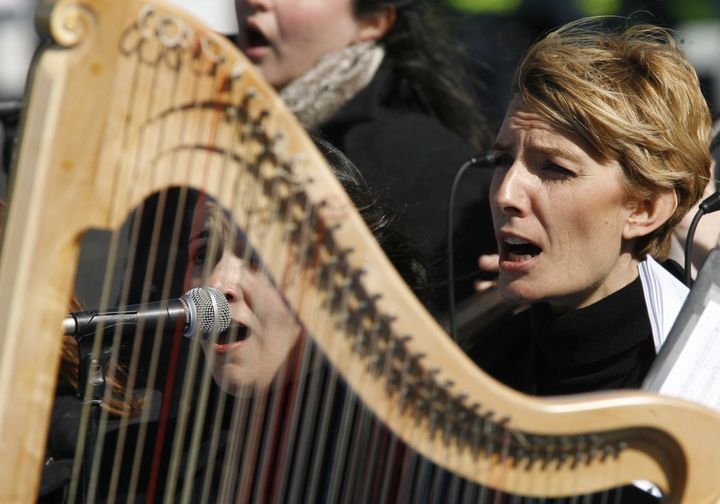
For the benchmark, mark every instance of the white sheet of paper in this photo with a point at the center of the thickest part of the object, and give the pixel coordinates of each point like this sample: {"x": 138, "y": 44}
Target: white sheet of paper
{"x": 696, "y": 373}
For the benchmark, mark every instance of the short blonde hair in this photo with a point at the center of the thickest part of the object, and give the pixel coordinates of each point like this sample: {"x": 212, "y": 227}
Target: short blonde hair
{"x": 634, "y": 97}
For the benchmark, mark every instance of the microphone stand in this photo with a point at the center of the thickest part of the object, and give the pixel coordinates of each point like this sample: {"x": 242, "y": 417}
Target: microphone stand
{"x": 9, "y": 116}
{"x": 91, "y": 388}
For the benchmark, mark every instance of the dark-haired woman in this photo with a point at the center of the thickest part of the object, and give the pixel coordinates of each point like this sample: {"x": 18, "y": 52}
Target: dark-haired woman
{"x": 383, "y": 82}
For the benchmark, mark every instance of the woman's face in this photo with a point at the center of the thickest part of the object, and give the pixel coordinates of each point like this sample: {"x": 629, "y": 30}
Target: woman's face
{"x": 286, "y": 38}
{"x": 249, "y": 355}
{"x": 560, "y": 215}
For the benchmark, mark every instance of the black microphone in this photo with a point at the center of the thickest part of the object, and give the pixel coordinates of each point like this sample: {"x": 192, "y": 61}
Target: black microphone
{"x": 711, "y": 203}
{"x": 202, "y": 312}
{"x": 479, "y": 161}
{"x": 708, "y": 205}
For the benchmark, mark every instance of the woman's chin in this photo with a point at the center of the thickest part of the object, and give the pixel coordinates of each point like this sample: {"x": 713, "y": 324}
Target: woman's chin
{"x": 243, "y": 390}
{"x": 518, "y": 294}
{"x": 241, "y": 382}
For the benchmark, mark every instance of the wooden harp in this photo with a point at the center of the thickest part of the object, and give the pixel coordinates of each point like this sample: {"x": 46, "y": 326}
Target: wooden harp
{"x": 133, "y": 98}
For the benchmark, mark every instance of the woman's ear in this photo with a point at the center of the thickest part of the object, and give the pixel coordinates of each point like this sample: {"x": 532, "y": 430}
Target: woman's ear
{"x": 648, "y": 215}
{"x": 374, "y": 26}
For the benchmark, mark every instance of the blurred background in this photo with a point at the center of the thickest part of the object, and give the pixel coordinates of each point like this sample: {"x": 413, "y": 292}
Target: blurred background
{"x": 494, "y": 32}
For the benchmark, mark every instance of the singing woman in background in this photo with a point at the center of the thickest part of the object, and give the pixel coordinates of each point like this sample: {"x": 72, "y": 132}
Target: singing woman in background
{"x": 258, "y": 360}
{"x": 255, "y": 359}
{"x": 604, "y": 149}
{"x": 249, "y": 356}
{"x": 384, "y": 83}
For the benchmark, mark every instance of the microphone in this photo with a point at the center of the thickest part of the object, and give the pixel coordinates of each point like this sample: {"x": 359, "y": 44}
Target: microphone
{"x": 711, "y": 203}
{"x": 478, "y": 161}
{"x": 708, "y": 205}
{"x": 202, "y": 312}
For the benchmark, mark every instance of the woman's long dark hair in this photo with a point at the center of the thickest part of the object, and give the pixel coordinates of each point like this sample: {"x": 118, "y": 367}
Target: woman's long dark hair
{"x": 407, "y": 259}
{"x": 430, "y": 73}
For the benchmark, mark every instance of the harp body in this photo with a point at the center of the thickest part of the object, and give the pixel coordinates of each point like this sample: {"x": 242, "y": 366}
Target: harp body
{"x": 134, "y": 98}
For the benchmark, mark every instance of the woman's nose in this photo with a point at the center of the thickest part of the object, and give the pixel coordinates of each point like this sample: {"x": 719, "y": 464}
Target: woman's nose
{"x": 254, "y": 5}
{"x": 509, "y": 189}
{"x": 227, "y": 277}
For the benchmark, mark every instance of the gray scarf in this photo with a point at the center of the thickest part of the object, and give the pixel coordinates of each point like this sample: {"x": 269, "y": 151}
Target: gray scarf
{"x": 318, "y": 94}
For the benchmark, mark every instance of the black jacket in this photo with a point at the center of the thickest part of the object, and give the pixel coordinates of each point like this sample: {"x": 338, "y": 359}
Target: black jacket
{"x": 410, "y": 160}
{"x": 607, "y": 345}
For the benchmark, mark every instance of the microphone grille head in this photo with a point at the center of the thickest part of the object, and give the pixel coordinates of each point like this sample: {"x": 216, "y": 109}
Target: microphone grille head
{"x": 212, "y": 311}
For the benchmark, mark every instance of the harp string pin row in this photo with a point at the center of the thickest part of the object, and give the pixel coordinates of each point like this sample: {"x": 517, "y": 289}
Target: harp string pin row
{"x": 482, "y": 431}
{"x": 376, "y": 364}
{"x": 458, "y": 418}
{"x": 421, "y": 406}
{"x": 435, "y": 395}
{"x": 463, "y": 415}
{"x": 594, "y": 443}
{"x": 584, "y": 449}
{"x": 544, "y": 452}
{"x": 566, "y": 449}
{"x": 407, "y": 389}
{"x": 449, "y": 428}
{"x": 490, "y": 433}
{"x": 406, "y": 394}
{"x": 463, "y": 428}
{"x": 476, "y": 434}
{"x": 393, "y": 380}
{"x": 434, "y": 419}
{"x": 580, "y": 451}
{"x": 519, "y": 447}
{"x": 610, "y": 451}
{"x": 379, "y": 357}
{"x": 363, "y": 337}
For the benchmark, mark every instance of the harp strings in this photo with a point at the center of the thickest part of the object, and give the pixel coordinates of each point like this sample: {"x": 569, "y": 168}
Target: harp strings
{"x": 145, "y": 295}
{"x": 282, "y": 443}
{"x": 258, "y": 412}
{"x": 308, "y": 358}
{"x": 217, "y": 421}
{"x": 89, "y": 411}
{"x": 209, "y": 130}
{"x": 319, "y": 390}
{"x": 301, "y": 271}
{"x": 153, "y": 66}
{"x": 154, "y": 103}
{"x": 241, "y": 416}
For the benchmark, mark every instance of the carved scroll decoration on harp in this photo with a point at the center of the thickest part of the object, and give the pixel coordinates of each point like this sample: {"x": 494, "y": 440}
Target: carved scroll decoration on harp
{"x": 83, "y": 145}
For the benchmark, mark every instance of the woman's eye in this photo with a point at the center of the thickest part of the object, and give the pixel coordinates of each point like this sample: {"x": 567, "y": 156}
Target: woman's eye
{"x": 255, "y": 262}
{"x": 198, "y": 256}
{"x": 502, "y": 160}
{"x": 242, "y": 250}
{"x": 556, "y": 169}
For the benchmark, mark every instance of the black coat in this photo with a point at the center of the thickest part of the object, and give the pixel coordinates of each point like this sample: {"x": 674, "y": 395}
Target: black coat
{"x": 607, "y": 345}
{"x": 410, "y": 160}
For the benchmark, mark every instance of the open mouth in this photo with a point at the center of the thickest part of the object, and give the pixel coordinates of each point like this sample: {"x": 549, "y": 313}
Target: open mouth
{"x": 515, "y": 249}
{"x": 254, "y": 37}
{"x": 234, "y": 334}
